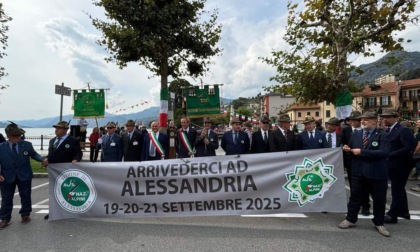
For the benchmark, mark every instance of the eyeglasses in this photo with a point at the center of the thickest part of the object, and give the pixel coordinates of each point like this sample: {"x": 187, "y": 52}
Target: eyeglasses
{"x": 265, "y": 122}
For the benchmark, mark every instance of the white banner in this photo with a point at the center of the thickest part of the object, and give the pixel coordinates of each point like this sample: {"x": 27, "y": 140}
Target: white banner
{"x": 288, "y": 182}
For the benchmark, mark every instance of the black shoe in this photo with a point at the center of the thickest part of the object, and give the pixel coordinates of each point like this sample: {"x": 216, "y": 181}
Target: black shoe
{"x": 46, "y": 217}
{"x": 390, "y": 220}
{"x": 365, "y": 212}
{"x": 405, "y": 216}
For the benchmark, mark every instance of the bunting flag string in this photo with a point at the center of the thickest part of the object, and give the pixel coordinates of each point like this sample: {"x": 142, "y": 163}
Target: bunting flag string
{"x": 130, "y": 107}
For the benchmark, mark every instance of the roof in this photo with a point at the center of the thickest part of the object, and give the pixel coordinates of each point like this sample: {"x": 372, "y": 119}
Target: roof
{"x": 385, "y": 88}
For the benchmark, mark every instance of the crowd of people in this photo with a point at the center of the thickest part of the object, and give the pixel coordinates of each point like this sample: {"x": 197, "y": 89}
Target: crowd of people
{"x": 375, "y": 149}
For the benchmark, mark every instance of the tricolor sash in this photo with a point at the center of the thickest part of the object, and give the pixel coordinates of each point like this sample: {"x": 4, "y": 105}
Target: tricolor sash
{"x": 186, "y": 143}
{"x": 156, "y": 143}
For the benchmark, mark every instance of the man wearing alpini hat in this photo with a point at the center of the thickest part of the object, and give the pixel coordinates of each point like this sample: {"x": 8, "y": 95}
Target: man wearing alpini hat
{"x": 16, "y": 171}
{"x": 282, "y": 138}
{"x": 369, "y": 148}
{"x": 399, "y": 163}
{"x": 235, "y": 141}
{"x": 310, "y": 138}
{"x": 132, "y": 142}
{"x": 332, "y": 138}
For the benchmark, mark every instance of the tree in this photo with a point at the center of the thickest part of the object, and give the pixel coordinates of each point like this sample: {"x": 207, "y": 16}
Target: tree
{"x": 165, "y": 36}
{"x": 4, "y": 18}
{"x": 178, "y": 87}
{"x": 322, "y": 37}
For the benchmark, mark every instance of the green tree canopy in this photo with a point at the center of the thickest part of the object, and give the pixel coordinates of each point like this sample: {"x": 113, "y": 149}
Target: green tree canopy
{"x": 4, "y": 18}
{"x": 168, "y": 37}
{"x": 323, "y": 35}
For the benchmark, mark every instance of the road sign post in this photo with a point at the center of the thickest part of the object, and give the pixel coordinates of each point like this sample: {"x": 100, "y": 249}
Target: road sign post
{"x": 62, "y": 90}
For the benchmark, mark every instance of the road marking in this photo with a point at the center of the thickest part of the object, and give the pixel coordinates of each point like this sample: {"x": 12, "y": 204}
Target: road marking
{"x": 281, "y": 215}
{"x": 33, "y": 206}
{"x": 35, "y": 187}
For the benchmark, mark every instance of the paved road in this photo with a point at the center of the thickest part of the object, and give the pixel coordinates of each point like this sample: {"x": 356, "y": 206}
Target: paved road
{"x": 295, "y": 232}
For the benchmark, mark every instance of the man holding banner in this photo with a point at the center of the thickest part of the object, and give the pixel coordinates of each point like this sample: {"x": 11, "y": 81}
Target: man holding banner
{"x": 185, "y": 140}
{"x": 370, "y": 148}
{"x": 235, "y": 142}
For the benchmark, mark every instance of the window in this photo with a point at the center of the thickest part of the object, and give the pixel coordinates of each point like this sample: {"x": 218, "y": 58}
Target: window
{"x": 371, "y": 101}
{"x": 327, "y": 113}
{"x": 327, "y": 103}
{"x": 404, "y": 104}
{"x": 385, "y": 100}
{"x": 404, "y": 93}
{"x": 299, "y": 114}
{"x": 317, "y": 114}
{"x": 308, "y": 113}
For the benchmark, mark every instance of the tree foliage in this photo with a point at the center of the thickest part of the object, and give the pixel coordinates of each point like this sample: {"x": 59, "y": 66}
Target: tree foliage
{"x": 168, "y": 37}
{"x": 323, "y": 35}
{"x": 4, "y": 18}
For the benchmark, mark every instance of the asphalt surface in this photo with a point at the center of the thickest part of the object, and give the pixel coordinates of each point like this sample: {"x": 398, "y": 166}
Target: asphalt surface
{"x": 285, "y": 232}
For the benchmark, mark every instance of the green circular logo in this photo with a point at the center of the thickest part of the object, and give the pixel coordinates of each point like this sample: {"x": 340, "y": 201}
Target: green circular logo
{"x": 74, "y": 191}
{"x": 311, "y": 183}
{"x": 88, "y": 100}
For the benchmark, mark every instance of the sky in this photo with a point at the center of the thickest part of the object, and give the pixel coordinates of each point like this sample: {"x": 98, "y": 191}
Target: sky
{"x": 53, "y": 42}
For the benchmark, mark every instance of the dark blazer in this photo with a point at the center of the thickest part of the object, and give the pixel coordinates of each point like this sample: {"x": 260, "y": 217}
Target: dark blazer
{"x": 203, "y": 150}
{"x": 371, "y": 163}
{"x": 278, "y": 141}
{"x": 402, "y": 146}
{"x": 304, "y": 143}
{"x": 20, "y": 168}
{"x": 2, "y": 139}
{"x": 179, "y": 146}
{"x": 257, "y": 144}
{"x": 338, "y": 138}
{"x": 241, "y": 147}
{"x": 132, "y": 148}
{"x": 164, "y": 142}
{"x": 67, "y": 151}
{"x": 112, "y": 150}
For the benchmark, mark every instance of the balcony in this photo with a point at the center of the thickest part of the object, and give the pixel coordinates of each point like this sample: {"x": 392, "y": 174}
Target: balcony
{"x": 405, "y": 109}
{"x": 404, "y": 98}
{"x": 383, "y": 105}
{"x": 414, "y": 98}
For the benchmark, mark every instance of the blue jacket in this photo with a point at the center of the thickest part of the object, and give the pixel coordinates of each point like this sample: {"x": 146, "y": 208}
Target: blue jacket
{"x": 304, "y": 143}
{"x": 241, "y": 146}
{"x": 112, "y": 150}
{"x": 203, "y": 150}
{"x": 402, "y": 144}
{"x": 21, "y": 167}
{"x": 371, "y": 163}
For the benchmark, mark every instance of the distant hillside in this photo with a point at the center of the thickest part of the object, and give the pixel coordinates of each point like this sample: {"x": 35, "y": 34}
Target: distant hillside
{"x": 144, "y": 116}
{"x": 405, "y": 64}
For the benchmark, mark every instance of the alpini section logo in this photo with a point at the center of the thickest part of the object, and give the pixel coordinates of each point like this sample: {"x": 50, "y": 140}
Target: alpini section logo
{"x": 74, "y": 191}
{"x": 309, "y": 181}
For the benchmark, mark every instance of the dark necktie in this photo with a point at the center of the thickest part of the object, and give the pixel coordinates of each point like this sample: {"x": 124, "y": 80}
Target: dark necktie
{"x": 329, "y": 140}
{"x": 365, "y": 138}
{"x": 312, "y": 136}
{"x": 235, "y": 138}
{"x": 354, "y": 130}
{"x": 265, "y": 136}
{"x": 285, "y": 135}
{"x": 388, "y": 130}
{"x": 57, "y": 142}
{"x": 14, "y": 150}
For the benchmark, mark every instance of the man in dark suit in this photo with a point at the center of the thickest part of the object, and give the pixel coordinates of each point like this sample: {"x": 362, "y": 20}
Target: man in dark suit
{"x": 310, "y": 138}
{"x": 155, "y": 145}
{"x": 111, "y": 144}
{"x": 15, "y": 172}
{"x": 235, "y": 141}
{"x": 332, "y": 139}
{"x": 346, "y": 133}
{"x": 282, "y": 138}
{"x": 207, "y": 141}
{"x": 260, "y": 138}
{"x": 63, "y": 148}
{"x": 132, "y": 142}
{"x": 400, "y": 164}
{"x": 370, "y": 147}
{"x": 185, "y": 140}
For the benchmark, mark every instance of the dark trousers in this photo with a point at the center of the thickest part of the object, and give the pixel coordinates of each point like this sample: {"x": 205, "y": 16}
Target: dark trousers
{"x": 377, "y": 188}
{"x": 154, "y": 158}
{"x": 348, "y": 165}
{"x": 399, "y": 204}
{"x": 93, "y": 154}
{"x": 7, "y": 193}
